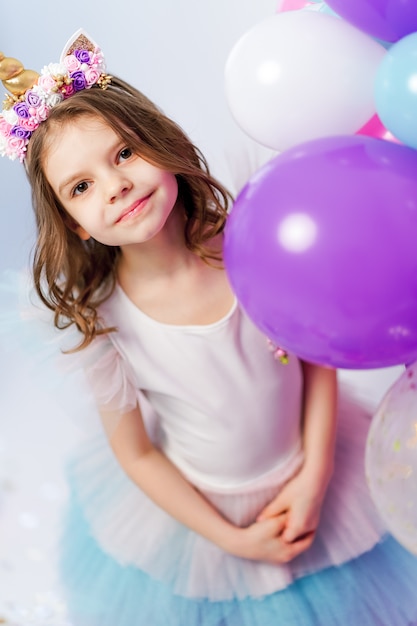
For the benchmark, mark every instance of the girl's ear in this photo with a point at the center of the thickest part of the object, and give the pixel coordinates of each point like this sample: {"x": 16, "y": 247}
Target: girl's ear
{"x": 83, "y": 234}
{"x": 76, "y": 228}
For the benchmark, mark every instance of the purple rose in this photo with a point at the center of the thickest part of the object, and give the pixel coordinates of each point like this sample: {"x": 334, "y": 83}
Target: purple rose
{"x": 20, "y": 133}
{"x": 82, "y": 55}
{"x": 78, "y": 80}
{"x": 32, "y": 99}
{"x": 21, "y": 108}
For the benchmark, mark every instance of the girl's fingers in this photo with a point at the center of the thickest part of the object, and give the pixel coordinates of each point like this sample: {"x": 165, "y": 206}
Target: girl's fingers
{"x": 279, "y": 523}
{"x": 297, "y": 547}
{"x": 300, "y": 523}
{"x": 292, "y": 535}
{"x": 274, "y": 508}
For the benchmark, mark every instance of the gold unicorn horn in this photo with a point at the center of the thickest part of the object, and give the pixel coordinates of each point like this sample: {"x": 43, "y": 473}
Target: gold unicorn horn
{"x": 14, "y": 77}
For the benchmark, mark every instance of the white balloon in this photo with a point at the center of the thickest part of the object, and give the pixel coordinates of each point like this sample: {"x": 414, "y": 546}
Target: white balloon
{"x": 301, "y": 75}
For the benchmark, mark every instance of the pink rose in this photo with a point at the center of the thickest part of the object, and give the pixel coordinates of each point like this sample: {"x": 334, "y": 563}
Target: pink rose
{"x": 29, "y": 124}
{"x": 16, "y": 146}
{"x": 67, "y": 90}
{"x": 5, "y": 127}
{"x": 46, "y": 82}
{"x": 42, "y": 113}
{"x": 71, "y": 63}
{"x": 91, "y": 76}
{"x": 97, "y": 60}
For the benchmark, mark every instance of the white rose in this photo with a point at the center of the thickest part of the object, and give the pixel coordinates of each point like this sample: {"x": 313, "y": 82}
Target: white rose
{"x": 55, "y": 69}
{"x": 46, "y": 71}
{"x": 41, "y": 92}
{"x": 53, "y": 99}
{"x": 10, "y": 116}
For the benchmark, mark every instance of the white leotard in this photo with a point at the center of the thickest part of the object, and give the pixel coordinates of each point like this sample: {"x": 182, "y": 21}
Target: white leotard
{"x": 229, "y": 411}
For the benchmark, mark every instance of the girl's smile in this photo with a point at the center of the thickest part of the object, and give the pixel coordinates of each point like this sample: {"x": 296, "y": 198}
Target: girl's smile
{"x": 133, "y": 210}
{"x": 111, "y": 193}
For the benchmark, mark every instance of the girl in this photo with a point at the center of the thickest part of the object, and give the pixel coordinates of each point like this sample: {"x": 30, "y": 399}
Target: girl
{"x": 219, "y": 490}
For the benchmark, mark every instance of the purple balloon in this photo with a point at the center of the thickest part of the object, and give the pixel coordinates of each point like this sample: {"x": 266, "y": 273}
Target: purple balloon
{"x": 389, "y": 20}
{"x": 321, "y": 251}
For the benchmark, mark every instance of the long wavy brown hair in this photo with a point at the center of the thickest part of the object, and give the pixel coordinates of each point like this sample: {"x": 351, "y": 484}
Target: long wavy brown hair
{"x": 72, "y": 276}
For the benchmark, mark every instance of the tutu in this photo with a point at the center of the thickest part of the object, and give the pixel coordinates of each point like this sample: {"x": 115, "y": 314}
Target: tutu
{"x": 375, "y": 589}
{"x": 125, "y": 561}
{"x": 122, "y": 519}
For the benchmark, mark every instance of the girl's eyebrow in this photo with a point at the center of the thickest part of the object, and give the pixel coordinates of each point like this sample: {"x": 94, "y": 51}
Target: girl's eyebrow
{"x": 70, "y": 181}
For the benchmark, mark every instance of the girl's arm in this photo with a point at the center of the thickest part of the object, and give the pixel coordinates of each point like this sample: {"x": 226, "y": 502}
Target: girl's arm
{"x": 301, "y": 498}
{"x": 319, "y": 423}
{"x": 156, "y": 476}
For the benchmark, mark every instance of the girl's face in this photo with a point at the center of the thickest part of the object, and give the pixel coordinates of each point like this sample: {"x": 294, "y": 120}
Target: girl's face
{"x": 111, "y": 194}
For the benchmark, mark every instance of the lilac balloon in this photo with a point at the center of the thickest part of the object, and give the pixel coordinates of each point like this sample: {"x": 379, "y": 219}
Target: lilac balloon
{"x": 389, "y": 20}
{"x": 321, "y": 251}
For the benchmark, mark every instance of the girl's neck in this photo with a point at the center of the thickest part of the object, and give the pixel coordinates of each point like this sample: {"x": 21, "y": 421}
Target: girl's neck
{"x": 164, "y": 254}
{"x": 173, "y": 285}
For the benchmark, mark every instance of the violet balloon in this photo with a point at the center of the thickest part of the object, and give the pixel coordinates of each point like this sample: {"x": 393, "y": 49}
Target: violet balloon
{"x": 389, "y": 20}
{"x": 321, "y": 251}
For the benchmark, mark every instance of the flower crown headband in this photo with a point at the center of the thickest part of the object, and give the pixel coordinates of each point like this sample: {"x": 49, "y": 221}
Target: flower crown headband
{"x": 33, "y": 96}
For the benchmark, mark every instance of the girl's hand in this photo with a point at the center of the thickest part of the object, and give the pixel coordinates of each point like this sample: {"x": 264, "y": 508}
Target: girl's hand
{"x": 263, "y": 541}
{"x": 301, "y": 500}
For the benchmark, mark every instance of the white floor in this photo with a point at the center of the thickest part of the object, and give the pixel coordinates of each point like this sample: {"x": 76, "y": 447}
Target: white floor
{"x": 33, "y": 446}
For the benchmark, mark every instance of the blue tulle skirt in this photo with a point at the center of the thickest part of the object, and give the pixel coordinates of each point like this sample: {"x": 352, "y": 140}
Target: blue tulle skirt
{"x": 376, "y": 589}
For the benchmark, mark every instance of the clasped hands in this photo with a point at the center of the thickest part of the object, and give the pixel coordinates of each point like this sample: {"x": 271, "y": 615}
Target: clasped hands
{"x": 286, "y": 526}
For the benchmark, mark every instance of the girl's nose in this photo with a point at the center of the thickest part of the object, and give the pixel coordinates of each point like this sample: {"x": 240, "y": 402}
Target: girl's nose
{"x": 117, "y": 187}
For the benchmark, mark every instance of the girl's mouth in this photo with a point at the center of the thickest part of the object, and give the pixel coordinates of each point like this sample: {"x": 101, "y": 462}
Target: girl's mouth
{"x": 134, "y": 209}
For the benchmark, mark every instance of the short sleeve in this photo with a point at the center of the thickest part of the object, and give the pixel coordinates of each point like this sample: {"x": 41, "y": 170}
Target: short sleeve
{"x": 109, "y": 376}
{"x": 95, "y": 385}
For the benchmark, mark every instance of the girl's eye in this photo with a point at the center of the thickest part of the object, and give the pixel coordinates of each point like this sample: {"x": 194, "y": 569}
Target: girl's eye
{"x": 125, "y": 154}
{"x": 80, "y": 188}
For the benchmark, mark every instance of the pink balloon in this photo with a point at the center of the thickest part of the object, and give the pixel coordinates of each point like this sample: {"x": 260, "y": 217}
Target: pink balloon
{"x": 292, "y": 5}
{"x": 375, "y": 128}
